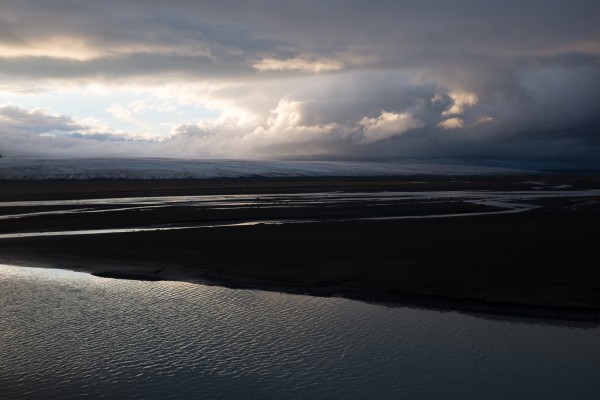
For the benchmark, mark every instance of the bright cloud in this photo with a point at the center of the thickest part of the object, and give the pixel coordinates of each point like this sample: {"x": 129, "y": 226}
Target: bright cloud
{"x": 460, "y": 102}
{"x": 386, "y": 125}
{"x": 452, "y": 123}
{"x": 298, "y": 64}
{"x": 37, "y": 120}
{"x": 122, "y": 113}
{"x": 309, "y": 79}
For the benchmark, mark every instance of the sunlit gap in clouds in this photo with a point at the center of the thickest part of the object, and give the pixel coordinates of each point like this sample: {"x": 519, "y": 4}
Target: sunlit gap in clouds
{"x": 142, "y": 112}
{"x": 381, "y": 80}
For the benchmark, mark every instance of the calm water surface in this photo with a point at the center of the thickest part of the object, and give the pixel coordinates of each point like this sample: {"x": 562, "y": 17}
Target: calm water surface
{"x": 68, "y": 335}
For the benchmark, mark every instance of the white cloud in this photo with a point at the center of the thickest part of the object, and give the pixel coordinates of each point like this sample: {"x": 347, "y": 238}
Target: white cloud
{"x": 36, "y": 120}
{"x": 163, "y": 107}
{"x": 58, "y": 47}
{"x": 299, "y": 64}
{"x": 386, "y": 125}
{"x": 452, "y": 123}
{"x": 306, "y": 116}
{"x": 460, "y": 102}
{"x": 122, "y": 113}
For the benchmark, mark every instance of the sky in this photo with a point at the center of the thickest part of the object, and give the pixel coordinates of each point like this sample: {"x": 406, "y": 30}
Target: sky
{"x": 282, "y": 79}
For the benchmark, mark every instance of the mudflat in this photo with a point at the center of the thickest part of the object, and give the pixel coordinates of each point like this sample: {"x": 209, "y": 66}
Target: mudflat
{"x": 542, "y": 262}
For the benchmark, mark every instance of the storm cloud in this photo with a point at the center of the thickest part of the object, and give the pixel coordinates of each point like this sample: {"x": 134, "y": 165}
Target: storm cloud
{"x": 306, "y": 80}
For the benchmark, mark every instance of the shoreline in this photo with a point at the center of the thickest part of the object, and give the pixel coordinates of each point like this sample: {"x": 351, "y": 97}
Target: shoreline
{"x": 412, "y": 300}
{"x": 539, "y": 263}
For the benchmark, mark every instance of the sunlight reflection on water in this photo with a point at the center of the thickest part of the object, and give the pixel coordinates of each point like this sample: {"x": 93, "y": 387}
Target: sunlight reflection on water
{"x": 65, "y": 335}
{"x": 501, "y": 202}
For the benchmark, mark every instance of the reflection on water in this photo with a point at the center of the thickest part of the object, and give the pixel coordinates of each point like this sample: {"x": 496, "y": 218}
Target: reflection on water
{"x": 305, "y": 199}
{"x": 67, "y": 335}
{"x": 498, "y": 202}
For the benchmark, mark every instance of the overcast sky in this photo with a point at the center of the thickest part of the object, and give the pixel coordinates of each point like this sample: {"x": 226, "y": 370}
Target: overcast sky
{"x": 272, "y": 79}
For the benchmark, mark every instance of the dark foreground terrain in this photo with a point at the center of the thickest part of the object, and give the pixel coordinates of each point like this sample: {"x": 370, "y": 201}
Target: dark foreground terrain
{"x": 542, "y": 262}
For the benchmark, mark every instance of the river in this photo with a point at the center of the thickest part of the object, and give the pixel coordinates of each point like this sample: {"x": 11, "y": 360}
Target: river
{"x": 69, "y": 335}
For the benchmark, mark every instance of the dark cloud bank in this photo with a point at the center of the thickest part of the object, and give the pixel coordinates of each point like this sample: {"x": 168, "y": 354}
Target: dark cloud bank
{"x": 320, "y": 80}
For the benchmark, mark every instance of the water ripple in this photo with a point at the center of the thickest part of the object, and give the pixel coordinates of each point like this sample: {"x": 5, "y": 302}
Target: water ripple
{"x": 67, "y": 335}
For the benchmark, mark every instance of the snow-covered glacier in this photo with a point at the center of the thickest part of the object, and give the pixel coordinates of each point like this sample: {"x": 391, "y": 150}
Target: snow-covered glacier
{"x": 163, "y": 168}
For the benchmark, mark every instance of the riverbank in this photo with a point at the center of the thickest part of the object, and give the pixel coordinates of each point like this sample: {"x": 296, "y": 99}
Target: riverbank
{"x": 540, "y": 263}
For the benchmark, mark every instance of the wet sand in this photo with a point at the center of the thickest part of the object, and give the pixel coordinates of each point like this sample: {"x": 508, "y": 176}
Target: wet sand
{"x": 540, "y": 263}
